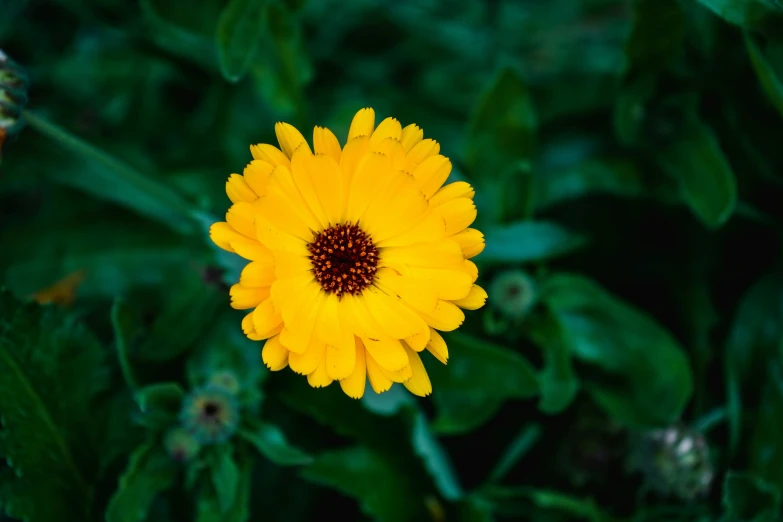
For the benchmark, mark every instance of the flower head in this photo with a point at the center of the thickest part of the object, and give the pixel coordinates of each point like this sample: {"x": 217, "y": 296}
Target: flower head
{"x": 210, "y": 414}
{"x": 359, "y": 254}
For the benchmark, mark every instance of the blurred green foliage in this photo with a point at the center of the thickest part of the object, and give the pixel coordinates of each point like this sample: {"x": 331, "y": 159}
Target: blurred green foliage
{"x": 627, "y": 164}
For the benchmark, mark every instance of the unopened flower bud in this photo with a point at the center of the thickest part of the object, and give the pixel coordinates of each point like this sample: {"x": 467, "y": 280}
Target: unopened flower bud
{"x": 513, "y": 293}
{"x": 181, "y": 445}
{"x": 210, "y": 414}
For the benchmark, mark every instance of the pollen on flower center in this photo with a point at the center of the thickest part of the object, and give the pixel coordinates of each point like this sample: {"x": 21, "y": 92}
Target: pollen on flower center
{"x": 344, "y": 259}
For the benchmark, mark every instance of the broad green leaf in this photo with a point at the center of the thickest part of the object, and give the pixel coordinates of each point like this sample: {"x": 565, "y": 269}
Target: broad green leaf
{"x": 382, "y": 490}
{"x": 52, "y": 369}
{"x": 745, "y": 13}
{"x": 240, "y": 27}
{"x": 160, "y": 404}
{"x": 652, "y": 380}
{"x": 108, "y": 178}
{"x": 748, "y": 498}
{"x": 520, "y": 445}
{"x": 765, "y": 73}
{"x": 187, "y": 307}
{"x": 149, "y": 473}
{"x": 271, "y": 442}
{"x": 225, "y": 476}
{"x": 208, "y": 505}
{"x": 707, "y": 182}
{"x": 753, "y": 340}
{"x": 517, "y": 500}
{"x": 528, "y": 241}
{"x": 557, "y": 380}
{"x": 479, "y": 377}
{"x": 126, "y": 330}
{"x": 502, "y": 128}
{"x": 656, "y": 36}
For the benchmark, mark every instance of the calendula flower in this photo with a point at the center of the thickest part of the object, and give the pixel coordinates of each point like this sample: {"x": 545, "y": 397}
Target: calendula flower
{"x": 358, "y": 254}
{"x": 63, "y": 292}
{"x": 210, "y": 414}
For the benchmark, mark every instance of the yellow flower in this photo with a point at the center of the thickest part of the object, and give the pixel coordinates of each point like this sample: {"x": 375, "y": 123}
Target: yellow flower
{"x": 358, "y": 254}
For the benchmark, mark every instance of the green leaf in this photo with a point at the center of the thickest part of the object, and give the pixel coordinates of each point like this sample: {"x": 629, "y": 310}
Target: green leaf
{"x": 502, "y": 128}
{"x": 434, "y": 458}
{"x": 651, "y": 379}
{"x": 209, "y": 507}
{"x": 520, "y": 445}
{"x": 528, "y": 241}
{"x": 271, "y": 442}
{"x": 225, "y": 476}
{"x": 765, "y": 73}
{"x": 476, "y": 381}
{"x": 508, "y": 501}
{"x": 186, "y": 308}
{"x": 745, "y": 13}
{"x": 657, "y": 35}
{"x": 160, "y": 403}
{"x": 175, "y": 39}
{"x": 748, "y": 498}
{"x": 126, "y": 330}
{"x": 558, "y": 382}
{"x": 766, "y": 447}
{"x": 707, "y": 182}
{"x": 240, "y": 27}
{"x": 383, "y": 491}
{"x": 753, "y": 340}
{"x": 149, "y": 473}
{"x": 52, "y": 369}
{"x": 108, "y": 178}
{"x": 516, "y": 193}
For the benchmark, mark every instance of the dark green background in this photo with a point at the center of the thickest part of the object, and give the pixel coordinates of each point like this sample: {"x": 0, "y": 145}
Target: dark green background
{"x": 628, "y": 155}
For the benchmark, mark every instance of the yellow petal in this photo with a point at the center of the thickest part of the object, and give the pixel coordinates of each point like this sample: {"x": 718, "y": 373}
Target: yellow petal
{"x": 446, "y": 317}
{"x": 421, "y": 151}
{"x": 257, "y": 175}
{"x": 258, "y": 274}
{"x": 226, "y": 237}
{"x": 419, "y": 341}
{"x": 362, "y": 124}
{"x": 287, "y": 289}
{"x": 266, "y": 320}
{"x": 270, "y": 154}
{"x": 325, "y": 142}
{"x": 458, "y": 214}
{"x": 328, "y": 327}
{"x": 290, "y": 139}
{"x": 421, "y": 297}
{"x": 437, "y": 347}
{"x": 372, "y": 174}
{"x": 300, "y": 315}
{"x": 402, "y": 207}
{"x": 306, "y": 363}
{"x": 248, "y": 328}
{"x": 327, "y": 181}
{"x": 386, "y": 352}
{"x": 411, "y": 135}
{"x": 379, "y": 382}
{"x": 305, "y": 173}
{"x": 340, "y": 362}
{"x": 471, "y": 241}
{"x": 458, "y": 189}
{"x": 288, "y": 264}
{"x": 449, "y": 284}
{"x": 253, "y": 251}
{"x": 429, "y": 228}
{"x": 320, "y": 377}
{"x": 238, "y": 189}
{"x": 392, "y": 148}
{"x": 353, "y": 153}
{"x": 354, "y": 384}
{"x": 274, "y": 355}
{"x": 443, "y": 253}
{"x": 419, "y": 384}
{"x": 244, "y": 297}
{"x": 388, "y": 128}
{"x": 285, "y": 190}
{"x": 474, "y": 300}
{"x": 241, "y": 217}
{"x": 395, "y": 318}
{"x": 471, "y": 269}
{"x": 398, "y": 376}
{"x": 431, "y": 174}
{"x": 277, "y": 239}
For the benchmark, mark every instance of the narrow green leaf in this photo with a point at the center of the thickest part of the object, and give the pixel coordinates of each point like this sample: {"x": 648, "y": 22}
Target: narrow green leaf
{"x": 765, "y": 73}
{"x": 520, "y": 445}
{"x": 239, "y": 30}
{"x": 149, "y": 473}
{"x": 745, "y": 13}
{"x": 209, "y": 508}
{"x": 225, "y": 476}
{"x": 652, "y": 381}
{"x": 126, "y": 329}
{"x": 110, "y": 179}
{"x": 748, "y": 498}
{"x": 52, "y": 369}
{"x": 434, "y": 458}
{"x": 472, "y": 386}
{"x": 502, "y": 128}
{"x": 706, "y": 179}
{"x": 271, "y": 442}
{"x": 516, "y": 501}
{"x": 528, "y": 241}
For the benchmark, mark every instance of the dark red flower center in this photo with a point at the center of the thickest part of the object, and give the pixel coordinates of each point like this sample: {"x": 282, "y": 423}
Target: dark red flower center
{"x": 344, "y": 259}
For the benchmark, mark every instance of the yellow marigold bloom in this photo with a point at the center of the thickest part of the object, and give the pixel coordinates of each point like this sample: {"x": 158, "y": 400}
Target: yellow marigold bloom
{"x": 358, "y": 255}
